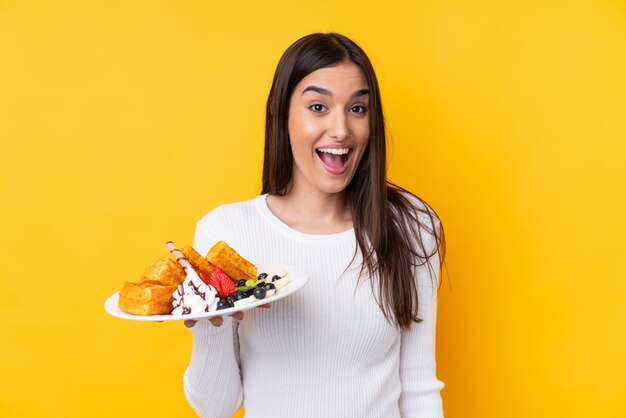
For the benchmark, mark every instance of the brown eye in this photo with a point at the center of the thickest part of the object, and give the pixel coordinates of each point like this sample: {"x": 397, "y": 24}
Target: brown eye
{"x": 317, "y": 107}
{"x": 358, "y": 109}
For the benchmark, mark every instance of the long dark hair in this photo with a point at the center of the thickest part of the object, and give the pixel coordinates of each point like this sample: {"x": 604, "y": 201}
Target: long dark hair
{"x": 395, "y": 230}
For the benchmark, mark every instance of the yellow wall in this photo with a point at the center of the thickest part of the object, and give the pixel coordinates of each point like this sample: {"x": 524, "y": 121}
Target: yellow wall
{"x": 122, "y": 123}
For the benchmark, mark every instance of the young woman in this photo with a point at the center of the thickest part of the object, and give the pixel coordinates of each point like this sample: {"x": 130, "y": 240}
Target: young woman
{"x": 358, "y": 340}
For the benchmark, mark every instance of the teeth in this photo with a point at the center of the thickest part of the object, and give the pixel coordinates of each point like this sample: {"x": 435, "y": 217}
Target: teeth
{"x": 336, "y": 151}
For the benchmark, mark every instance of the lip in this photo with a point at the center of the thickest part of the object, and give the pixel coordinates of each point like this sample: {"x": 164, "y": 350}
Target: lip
{"x": 350, "y": 147}
{"x": 333, "y": 170}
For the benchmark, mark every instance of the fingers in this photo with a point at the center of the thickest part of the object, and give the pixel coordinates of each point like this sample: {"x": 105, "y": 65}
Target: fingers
{"x": 217, "y": 321}
{"x": 238, "y": 316}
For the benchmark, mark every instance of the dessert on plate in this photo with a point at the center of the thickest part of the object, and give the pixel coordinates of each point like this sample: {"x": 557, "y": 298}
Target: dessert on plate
{"x": 195, "y": 284}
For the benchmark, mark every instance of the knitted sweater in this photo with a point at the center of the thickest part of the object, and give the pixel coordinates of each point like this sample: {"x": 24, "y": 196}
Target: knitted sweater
{"x": 324, "y": 351}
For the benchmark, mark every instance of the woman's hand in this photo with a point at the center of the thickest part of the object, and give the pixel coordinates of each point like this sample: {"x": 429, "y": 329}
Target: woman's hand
{"x": 218, "y": 320}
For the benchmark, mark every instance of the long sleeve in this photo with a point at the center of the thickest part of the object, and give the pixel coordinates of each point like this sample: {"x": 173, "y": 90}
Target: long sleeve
{"x": 420, "y": 396}
{"x": 305, "y": 356}
{"x": 212, "y": 381}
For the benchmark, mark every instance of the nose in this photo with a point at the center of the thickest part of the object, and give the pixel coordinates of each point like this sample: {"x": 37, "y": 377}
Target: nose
{"x": 338, "y": 127}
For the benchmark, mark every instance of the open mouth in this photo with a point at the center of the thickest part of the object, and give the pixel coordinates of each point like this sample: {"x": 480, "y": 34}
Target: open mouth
{"x": 334, "y": 160}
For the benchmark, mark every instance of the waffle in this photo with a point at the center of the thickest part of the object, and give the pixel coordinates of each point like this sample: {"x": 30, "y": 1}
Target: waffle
{"x": 199, "y": 264}
{"x": 149, "y": 297}
{"x": 166, "y": 271}
{"x": 234, "y": 265}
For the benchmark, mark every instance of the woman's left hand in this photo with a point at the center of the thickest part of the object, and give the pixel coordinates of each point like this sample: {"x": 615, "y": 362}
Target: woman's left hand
{"x": 218, "y": 321}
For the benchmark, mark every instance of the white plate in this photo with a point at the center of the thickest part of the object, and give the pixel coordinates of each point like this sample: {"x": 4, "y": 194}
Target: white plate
{"x": 297, "y": 279}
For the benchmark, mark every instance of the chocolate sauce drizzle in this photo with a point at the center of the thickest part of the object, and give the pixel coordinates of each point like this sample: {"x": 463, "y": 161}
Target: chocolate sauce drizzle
{"x": 196, "y": 291}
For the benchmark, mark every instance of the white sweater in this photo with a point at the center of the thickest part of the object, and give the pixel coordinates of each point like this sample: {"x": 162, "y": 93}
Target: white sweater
{"x": 325, "y": 351}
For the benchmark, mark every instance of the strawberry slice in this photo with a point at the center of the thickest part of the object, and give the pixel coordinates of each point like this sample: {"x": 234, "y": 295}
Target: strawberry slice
{"x": 222, "y": 283}
{"x": 203, "y": 278}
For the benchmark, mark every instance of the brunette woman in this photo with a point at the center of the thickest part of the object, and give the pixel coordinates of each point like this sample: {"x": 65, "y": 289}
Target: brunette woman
{"x": 359, "y": 339}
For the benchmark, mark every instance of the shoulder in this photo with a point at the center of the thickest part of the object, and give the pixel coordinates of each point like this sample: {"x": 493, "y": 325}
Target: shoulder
{"x": 417, "y": 219}
{"x": 229, "y": 212}
{"x": 224, "y": 223}
{"x": 406, "y": 204}
{"x": 228, "y": 217}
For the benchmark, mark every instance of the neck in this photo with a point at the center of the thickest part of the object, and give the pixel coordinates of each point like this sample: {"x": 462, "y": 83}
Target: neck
{"x": 312, "y": 211}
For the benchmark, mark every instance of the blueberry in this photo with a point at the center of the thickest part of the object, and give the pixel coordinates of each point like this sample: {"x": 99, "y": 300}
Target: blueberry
{"x": 269, "y": 286}
{"x": 231, "y": 300}
{"x": 276, "y": 277}
{"x": 222, "y": 304}
{"x": 241, "y": 283}
{"x": 259, "y": 293}
{"x": 240, "y": 295}
{"x": 263, "y": 276}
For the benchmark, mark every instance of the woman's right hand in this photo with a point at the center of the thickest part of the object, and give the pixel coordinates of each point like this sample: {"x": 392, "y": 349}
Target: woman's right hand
{"x": 218, "y": 320}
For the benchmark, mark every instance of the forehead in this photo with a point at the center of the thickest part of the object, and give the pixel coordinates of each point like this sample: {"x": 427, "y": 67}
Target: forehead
{"x": 346, "y": 77}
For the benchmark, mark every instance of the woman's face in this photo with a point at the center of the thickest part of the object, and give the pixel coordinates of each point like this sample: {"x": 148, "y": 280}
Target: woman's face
{"x": 328, "y": 128}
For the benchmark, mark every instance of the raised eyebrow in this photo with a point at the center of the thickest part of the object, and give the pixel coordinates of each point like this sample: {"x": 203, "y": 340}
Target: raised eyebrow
{"x": 361, "y": 92}
{"x": 319, "y": 90}
{"x": 326, "y": 92}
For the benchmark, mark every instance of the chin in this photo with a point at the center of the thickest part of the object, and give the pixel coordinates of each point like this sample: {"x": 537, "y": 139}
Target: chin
{"x": 333, "y": 187}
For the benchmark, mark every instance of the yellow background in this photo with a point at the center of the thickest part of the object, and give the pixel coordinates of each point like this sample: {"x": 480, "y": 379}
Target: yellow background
{"x": 122, "y": 123}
